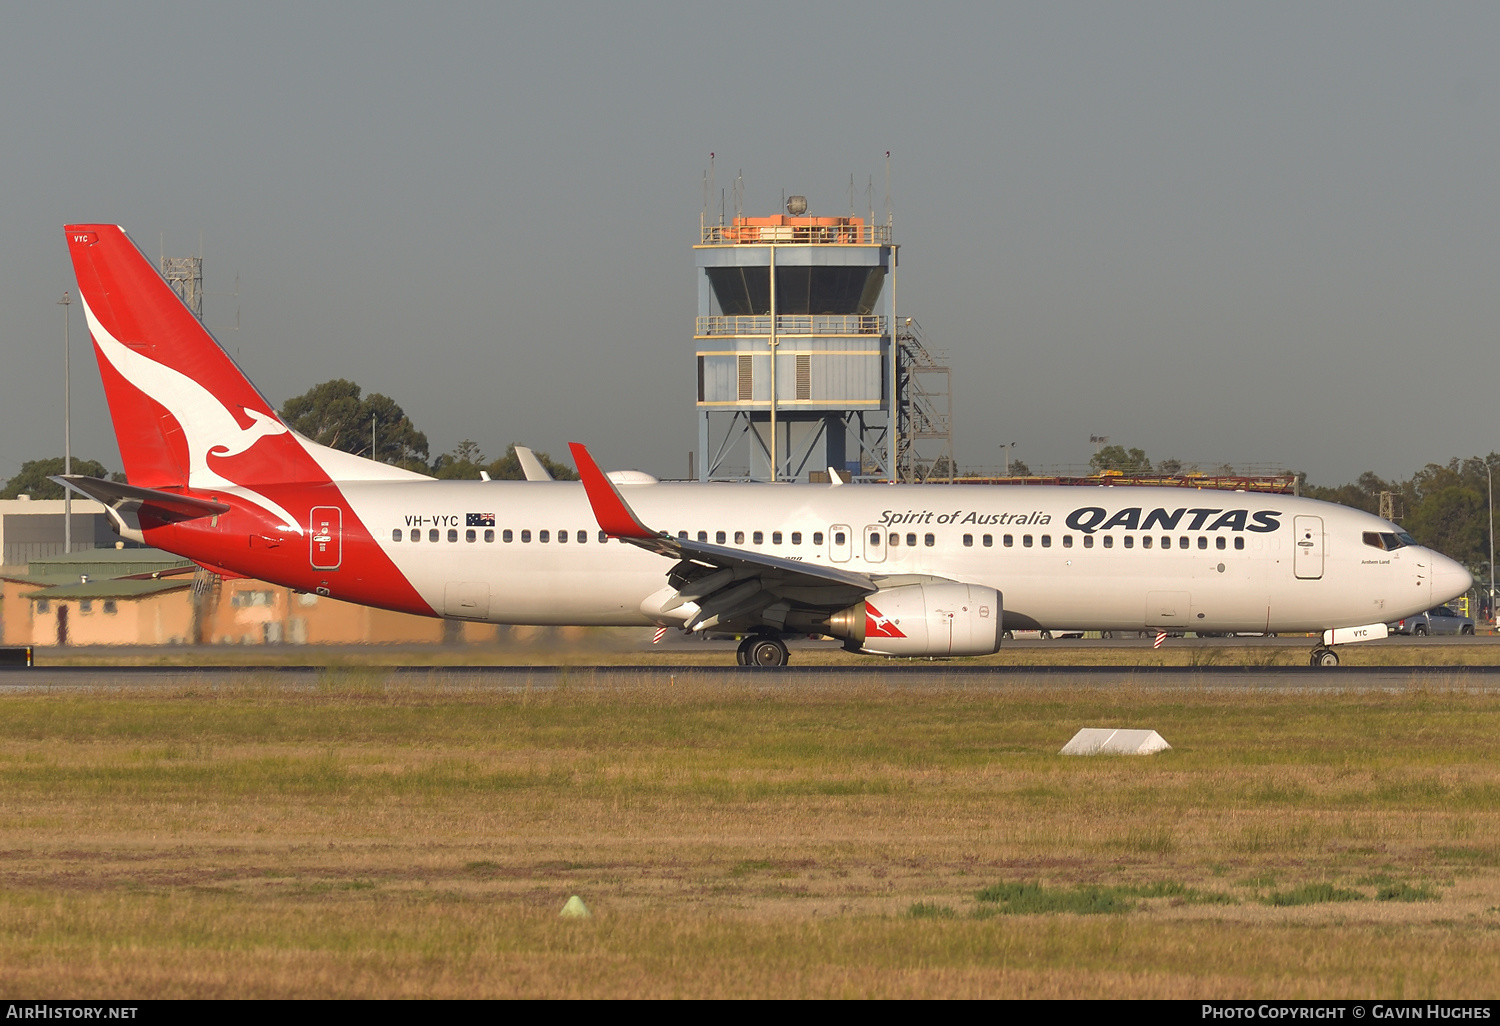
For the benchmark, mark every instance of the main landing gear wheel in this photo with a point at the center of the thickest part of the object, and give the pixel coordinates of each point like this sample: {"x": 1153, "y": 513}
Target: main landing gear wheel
{"x": 1324, "y": 658}
{"x": 761, "y": 650}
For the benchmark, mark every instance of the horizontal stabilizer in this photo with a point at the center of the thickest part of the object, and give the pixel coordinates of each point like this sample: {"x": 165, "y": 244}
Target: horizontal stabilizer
{"x": 123, "y": 498}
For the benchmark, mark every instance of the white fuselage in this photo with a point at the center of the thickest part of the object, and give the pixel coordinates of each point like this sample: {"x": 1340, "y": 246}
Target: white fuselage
{"x": 1071, "y": 557}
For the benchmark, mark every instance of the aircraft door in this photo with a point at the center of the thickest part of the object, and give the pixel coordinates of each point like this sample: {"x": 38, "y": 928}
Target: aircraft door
{"x": 840, "y": 543}
{"x": 1307, "y": 557}
{"x": 874, "y": 544}
{"x": 326, "y": 537}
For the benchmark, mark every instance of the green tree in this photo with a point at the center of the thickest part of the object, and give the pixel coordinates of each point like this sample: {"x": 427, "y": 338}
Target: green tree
{"x": 1363, "y": 494}
{"x": 463, "y": 463}
{"x": 32, "y": 480}
{"x": 1443, "y": 505}
{"x": 1117, "y": 457}
{"x": 335, "y": 415}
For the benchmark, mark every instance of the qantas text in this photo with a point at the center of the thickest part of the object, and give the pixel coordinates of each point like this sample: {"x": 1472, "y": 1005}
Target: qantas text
{"x": 1094, "y": 518}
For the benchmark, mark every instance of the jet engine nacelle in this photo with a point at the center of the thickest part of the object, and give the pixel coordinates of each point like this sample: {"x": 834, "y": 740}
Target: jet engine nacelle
{"x": 937, "y": 619}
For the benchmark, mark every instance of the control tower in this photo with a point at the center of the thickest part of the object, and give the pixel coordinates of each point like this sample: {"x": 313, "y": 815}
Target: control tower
{"x": 795, "y": 358}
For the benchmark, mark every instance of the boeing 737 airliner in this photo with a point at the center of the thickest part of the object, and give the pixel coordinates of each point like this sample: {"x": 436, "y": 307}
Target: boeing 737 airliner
{"x": 912, "y": 570}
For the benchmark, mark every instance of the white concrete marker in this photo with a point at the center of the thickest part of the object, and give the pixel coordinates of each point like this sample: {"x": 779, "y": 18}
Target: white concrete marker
{"x": 1112, "y": 741}
{"x": 576, "y": 909}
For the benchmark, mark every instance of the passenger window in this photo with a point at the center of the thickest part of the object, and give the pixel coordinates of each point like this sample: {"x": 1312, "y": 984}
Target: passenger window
{"x": 1145, "y": 542}
{"x": 1009, "y": 540}
{"x": 525, "y": 537}
{"x": 968, "y": 541}
{"x": 1202, "y": 542}
{"x": 453, "y": 534}
{"x": 1088, "y": 541}
{"x": 1067, "y": 541}
{"x": 839, "y": 537}
{"x": 797, "y": 538}
{"x": 603, "y": 537}
{"x": 1239, "y": 543}
{"x": 775, "y": 537}
{"x": 875, "y": 539}
{"x": 432, "y": 535}
{"x": 703, "y": 536}
{"x": 507, "y": 536}
{"x": 416, "y": 536}
{"x": 543, "y": 537}
{"x": 929, "y": 540}
{"x": 562, "y": 537}
{"x": 989, "y": 541}
{"x": 739, "y": 537}
{"x": 1219, "y": 543}
{"x": 681, "y": 536}
{"x": 1130, "y": 541}
{"x": 471, "y": 535}
{"x": 396, "y": 534}
{"x": 817, "y": 537}
{"x": 911, "y": 539}
{"x": 489, "y": 535}
{"x": 1109, "y": 541}
{"x": 758, "y": 538}
{"x": 1046, "y": 541}
{"x": 1166, "y": 542}
{"x": 583, "y": 537}
{"x": 719, "y": 537}
{"x": 1026, "y": 540}
{"x": 1182, "y": 542}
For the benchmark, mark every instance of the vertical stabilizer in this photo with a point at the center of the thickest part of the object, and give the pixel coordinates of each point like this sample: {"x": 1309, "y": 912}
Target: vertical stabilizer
{"x": 184, "y": 414}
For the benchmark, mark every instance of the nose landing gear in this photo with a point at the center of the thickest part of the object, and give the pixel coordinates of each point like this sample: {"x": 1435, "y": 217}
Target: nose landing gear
{"x": 1324, "y": 658}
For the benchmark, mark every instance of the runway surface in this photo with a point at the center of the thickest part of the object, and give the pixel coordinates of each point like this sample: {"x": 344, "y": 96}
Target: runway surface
{"x": 1477, "y": 679}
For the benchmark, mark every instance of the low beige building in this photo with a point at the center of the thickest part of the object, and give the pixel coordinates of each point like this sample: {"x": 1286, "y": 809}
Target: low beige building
{"x": 149, "y": 597}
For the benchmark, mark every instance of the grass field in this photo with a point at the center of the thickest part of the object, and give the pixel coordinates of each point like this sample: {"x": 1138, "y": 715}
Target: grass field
{"x": 362, "y": 841}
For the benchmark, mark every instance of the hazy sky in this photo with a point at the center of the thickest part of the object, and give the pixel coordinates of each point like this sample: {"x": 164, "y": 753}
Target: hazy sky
{"x": 1230, "y": 232}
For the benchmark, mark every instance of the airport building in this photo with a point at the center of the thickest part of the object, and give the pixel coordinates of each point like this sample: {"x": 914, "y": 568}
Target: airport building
{"x": 145, "y": 596}
{"x": 803, "y": 364}
{"x": 33, "y": 529}
{"x": 794, "y": 346}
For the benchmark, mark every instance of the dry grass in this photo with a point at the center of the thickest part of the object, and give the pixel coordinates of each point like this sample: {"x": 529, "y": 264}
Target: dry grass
{"x": 362, "y": 841}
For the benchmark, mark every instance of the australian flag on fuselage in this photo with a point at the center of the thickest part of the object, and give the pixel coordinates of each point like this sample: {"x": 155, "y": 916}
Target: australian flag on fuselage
{"x": 479, "y": 520}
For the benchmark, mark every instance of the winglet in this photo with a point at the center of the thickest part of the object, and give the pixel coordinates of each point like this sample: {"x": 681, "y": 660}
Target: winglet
{"x": 530, "y": 465}
{"x": 614, "y": 515}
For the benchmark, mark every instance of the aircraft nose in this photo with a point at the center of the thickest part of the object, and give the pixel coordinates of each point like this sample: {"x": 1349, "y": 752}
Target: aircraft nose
{"x": 1449, "y": 579}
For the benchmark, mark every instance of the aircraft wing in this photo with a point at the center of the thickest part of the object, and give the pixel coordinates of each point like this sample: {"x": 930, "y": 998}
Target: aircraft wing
{"x": 725, "y": 584}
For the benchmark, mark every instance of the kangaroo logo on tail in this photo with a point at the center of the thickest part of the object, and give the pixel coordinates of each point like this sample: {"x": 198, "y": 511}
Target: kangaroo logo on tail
{"x": 207, "y": 424}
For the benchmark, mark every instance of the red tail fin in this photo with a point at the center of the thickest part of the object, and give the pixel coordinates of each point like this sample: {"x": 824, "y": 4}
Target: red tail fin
{"x": 184, "y": 414}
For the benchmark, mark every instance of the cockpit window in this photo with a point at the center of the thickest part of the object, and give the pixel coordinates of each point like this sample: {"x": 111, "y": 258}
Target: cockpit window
{"x": 1387, "y": 540}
